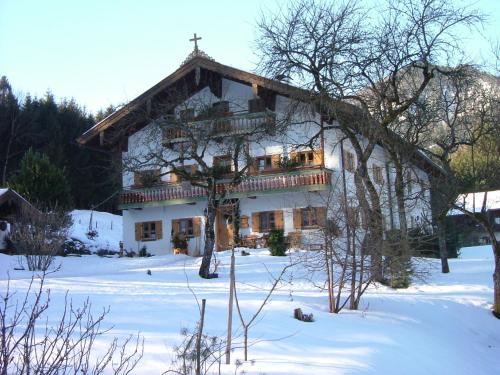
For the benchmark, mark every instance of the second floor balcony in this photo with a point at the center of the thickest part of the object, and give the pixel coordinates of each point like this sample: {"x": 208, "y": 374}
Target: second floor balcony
{"x": 169, "y": 194}
{"x": 224, "y": 124}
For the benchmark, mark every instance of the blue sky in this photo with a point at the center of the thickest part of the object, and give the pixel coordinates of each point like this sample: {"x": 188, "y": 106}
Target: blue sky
{"x": 108, "y": 52}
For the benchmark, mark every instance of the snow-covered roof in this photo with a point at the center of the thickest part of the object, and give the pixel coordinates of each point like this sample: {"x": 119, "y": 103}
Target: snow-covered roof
{"x": 3, "y": 191}
{"x": 473, "y": 202}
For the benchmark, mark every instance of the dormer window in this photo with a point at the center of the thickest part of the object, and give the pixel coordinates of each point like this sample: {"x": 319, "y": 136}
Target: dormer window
{"x": 256, "y": 105}
{"x": 186, "y": 114}
{"x": 221, "y": 108}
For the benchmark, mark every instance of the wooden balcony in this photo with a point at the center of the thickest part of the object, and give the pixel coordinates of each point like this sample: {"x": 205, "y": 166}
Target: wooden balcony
{"x": 169, "y": 194}
{"x": 223, "y": 125}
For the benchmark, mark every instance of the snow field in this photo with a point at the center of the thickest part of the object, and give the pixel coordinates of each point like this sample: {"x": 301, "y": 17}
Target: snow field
{"x": 441, "y": 326}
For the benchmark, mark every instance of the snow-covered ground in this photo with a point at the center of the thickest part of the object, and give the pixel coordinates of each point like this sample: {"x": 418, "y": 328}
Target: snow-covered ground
{"x": 441, "y": 326}
{"x": 107, "y": 226}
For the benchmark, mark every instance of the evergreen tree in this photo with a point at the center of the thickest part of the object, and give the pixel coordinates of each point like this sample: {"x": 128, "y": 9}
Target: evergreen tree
{"x": 41, "y": 182}
{"x": 51, "y": 127}
{"x": 9, "y": 126}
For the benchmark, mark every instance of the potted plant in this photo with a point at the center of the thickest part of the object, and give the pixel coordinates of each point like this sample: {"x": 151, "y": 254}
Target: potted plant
{"x": 180, "y": 244}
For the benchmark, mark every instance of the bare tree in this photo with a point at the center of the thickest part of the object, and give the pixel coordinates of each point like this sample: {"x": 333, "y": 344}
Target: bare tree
{"x": 247, "y": 324}
{"x": 29, "y": 344}
{"x": 380, "y": 60}
{"x": 39, "y": 237}
{"x": 199, "y": 132}
{"x": 462, "y": 111}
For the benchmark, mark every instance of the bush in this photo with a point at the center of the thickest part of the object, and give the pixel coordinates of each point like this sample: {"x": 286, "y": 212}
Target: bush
{"x": 143, "y": 252}
{"x": 74, "y": 247}
{"x": 276, "y": 242}
{"x": 39, "y": 237}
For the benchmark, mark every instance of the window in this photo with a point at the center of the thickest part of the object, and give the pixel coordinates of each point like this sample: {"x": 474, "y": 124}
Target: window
{"x": 220, "y": 108}
{"x": 267, "y": 220}
{"x": 305, "y": 158}
{"x": 309, "y": 217}
{"x": 186, "y": 114}
{"x": 224, "y": 163}
{"x": 189, "y": 227}
{"x": 189, "y": 169}
{"x": 267, "y": 162}
{"x": 348, "y": 161}
{"x": 497, "y": 220}
{"x": 256, "y": 105}
{"x": 148, "y": 231}
{"x": 378, "y": 176}
{"x": 147, "y": 178}
{"x": 244, "y": 222}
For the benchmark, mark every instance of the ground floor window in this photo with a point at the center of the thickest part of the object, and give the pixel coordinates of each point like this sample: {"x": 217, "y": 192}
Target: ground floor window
{"x": 309, "y": 217}
{"x": 267, "y": 220}
{"x": 189, "y": 227}
{"x": 148, "y": 231}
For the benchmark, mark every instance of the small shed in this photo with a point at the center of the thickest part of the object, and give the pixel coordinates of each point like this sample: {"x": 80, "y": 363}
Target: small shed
{"x": 463, "y": 229}
{"x": 13, "y": 205}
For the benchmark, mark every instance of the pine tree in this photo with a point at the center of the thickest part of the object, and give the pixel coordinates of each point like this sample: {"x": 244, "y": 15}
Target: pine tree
{"x": 41, "y": 182}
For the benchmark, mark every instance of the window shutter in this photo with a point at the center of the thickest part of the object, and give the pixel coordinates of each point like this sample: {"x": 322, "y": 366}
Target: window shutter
{"x": 275, "y": 161}
{"x": 252, "y": 168}
{"x": 194, "y": 169}
{"x": 255, "y": 222}
{"x": 159, "y": 229}
{"x": 197, "y": 226}
{"x": 318, "y": 157}
{"x": 138, "y": 231}
{"x": 278, "y": 219}
{"x": 137, "y": 179}
{"x": 321, "y": 215}
{"x": 297, "y": 219}
{"x": 175, "y": 227}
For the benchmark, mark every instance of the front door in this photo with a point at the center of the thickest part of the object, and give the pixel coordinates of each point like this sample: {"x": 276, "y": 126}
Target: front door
{"x": 224, "y": 227}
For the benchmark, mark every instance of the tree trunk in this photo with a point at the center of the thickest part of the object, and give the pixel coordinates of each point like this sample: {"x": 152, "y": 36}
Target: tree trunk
{"x": 373, "y": 213}
{"x": 443, "y": 252}
{"x": 208, "y": 250}
{"x": 400, "y": 199}
{"x": 245, "y": 342}
{"x": 496, "y": 280}
{"x": 230, "y": 310}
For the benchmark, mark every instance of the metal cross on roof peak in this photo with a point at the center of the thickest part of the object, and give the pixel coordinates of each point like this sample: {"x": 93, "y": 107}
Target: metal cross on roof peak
{"x": 195, "y": 40}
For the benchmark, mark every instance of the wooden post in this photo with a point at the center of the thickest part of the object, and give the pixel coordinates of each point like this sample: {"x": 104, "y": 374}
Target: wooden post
{"x": 230, "y": 309}
{"x": 198, "y": 339}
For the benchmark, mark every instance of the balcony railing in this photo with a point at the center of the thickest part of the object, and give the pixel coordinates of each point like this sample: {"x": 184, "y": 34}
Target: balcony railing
{"x": 252, "y": 185}
{"x": 223, "y": 125}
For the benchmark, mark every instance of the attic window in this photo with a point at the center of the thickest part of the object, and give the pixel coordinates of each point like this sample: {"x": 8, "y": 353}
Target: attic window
{"x": 221, "y": 107}
{"x": 186, "y": 114}
{"x": 256, "y": 105}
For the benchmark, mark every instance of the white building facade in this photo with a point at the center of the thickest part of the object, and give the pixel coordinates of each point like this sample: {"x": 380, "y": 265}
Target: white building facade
{"x": 292, "y": 183}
